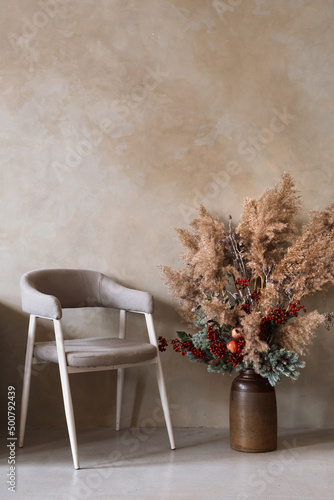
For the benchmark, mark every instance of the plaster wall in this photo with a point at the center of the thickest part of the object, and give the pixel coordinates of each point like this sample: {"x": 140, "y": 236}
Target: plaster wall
{"x": 118, "y": 117}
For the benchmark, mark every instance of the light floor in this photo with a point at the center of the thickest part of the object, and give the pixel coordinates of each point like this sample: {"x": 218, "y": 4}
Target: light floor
{"x": 137, "y": 464}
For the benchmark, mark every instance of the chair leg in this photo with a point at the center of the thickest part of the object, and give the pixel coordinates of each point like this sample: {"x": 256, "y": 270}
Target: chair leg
{"x": 27, "y": 378}
{"x": 66, "y": 393}
{"x": 161, "y": 381}
{"x": 120, "y": 385}
{"x": 120, "y": 372}
{"x": 164, "y": 402}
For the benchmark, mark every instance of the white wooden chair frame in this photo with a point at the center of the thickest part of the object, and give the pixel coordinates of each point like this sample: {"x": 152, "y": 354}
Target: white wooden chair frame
{"x": 65, "y": 370}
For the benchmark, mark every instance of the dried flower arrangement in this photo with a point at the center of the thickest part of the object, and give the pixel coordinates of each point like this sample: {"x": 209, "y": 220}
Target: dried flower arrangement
{"x": 242, "y": 287}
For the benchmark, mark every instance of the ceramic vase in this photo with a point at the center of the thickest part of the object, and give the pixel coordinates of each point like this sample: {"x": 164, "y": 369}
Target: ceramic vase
{"x": 253, "y": 414}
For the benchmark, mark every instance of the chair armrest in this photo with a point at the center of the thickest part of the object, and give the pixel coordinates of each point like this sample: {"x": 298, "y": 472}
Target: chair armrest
{"x": 113, "y": 294}
{"x": 38, "y": 303}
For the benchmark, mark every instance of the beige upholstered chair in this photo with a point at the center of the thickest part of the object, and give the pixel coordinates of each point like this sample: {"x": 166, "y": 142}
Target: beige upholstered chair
{"x": 44, "y": 294}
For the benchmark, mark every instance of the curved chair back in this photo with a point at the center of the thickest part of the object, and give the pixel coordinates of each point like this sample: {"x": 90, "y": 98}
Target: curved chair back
{"x": 46, "y": 292}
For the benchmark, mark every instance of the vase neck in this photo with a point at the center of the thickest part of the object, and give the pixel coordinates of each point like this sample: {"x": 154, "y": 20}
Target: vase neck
{"x": 249, "y": 374}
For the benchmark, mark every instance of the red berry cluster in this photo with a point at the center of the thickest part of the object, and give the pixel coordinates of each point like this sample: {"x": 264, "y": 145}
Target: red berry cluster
{"x": 216, "y": 346}
{"x": 241, "y": 283}
{"x": 295, "y": 307}
{"x": 163, "y": 344}
{"x": 213, "y": 333}
{"x": 184, "y": 347}
{"x": 246, "y": 307}
{"x": 255, "y": 296}
{"x": 218, "y": 349}
{"x": 278, "y": 316}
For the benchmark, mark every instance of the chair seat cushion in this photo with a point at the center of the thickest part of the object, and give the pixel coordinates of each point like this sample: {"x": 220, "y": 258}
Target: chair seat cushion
{"x": 98, "y": 351}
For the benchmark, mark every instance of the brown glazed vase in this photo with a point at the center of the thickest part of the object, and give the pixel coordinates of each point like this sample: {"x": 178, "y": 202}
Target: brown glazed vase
{"x": 253, "y": 414}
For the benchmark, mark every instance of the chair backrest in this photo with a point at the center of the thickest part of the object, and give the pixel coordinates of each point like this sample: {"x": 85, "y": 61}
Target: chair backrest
{"x": 45, "y": 292}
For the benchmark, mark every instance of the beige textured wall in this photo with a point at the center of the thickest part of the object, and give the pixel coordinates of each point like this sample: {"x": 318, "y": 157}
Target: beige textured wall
{"x": 117, "y": 118}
